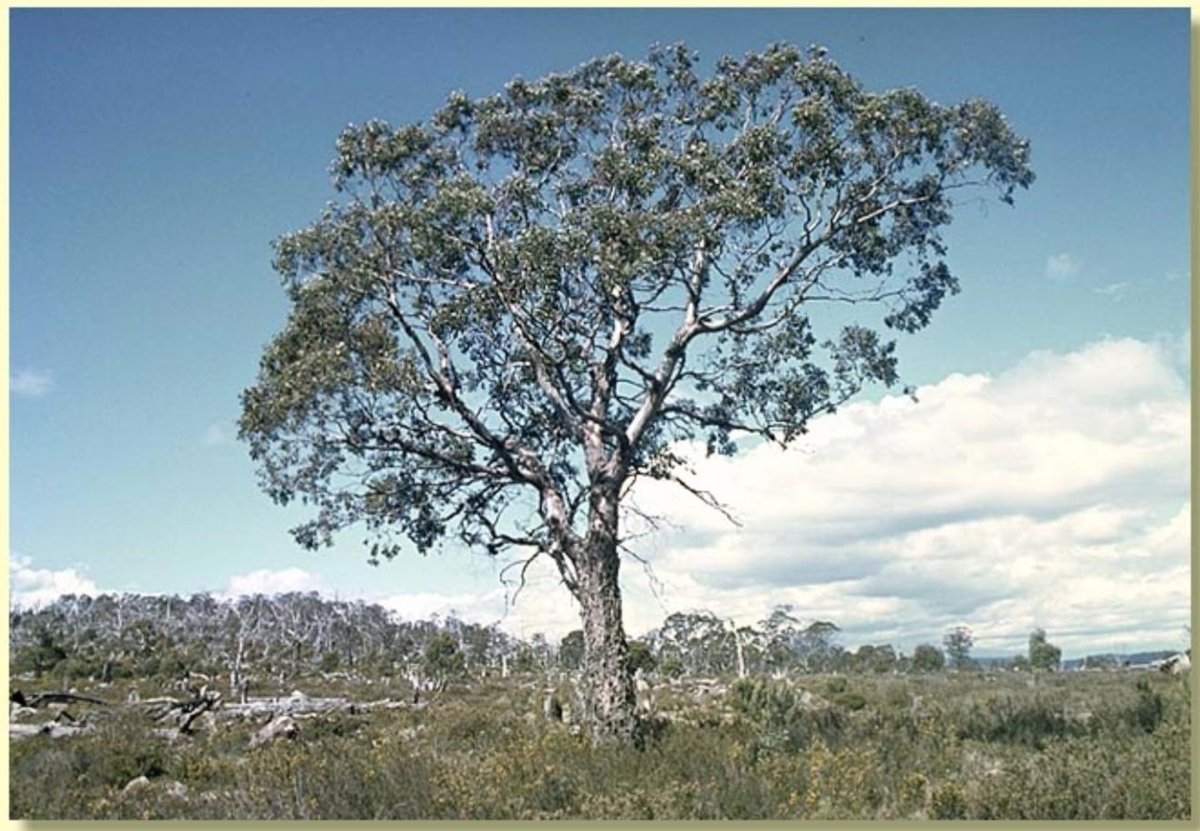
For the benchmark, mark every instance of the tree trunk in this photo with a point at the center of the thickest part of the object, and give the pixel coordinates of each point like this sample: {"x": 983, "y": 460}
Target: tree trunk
{"x": 610, "y": 700}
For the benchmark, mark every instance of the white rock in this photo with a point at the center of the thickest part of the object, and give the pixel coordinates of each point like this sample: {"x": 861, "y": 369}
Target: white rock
{"x": 138, "y": 784}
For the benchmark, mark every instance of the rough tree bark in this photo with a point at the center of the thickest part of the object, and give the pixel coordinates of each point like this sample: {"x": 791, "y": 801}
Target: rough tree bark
{"x": 610, "y": 700}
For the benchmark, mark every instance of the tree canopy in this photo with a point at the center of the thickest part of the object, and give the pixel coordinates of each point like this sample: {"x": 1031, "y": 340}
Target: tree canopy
{"x": 544, "y": 288}
{"x": 958, "y": 642}
{"x": 1042, "y": 653}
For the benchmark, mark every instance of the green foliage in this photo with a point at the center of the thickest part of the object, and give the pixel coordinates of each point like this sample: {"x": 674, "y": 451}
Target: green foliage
{"x": 851, "y": 700}
{"x": 442, "y": 657}
{"x": 1150, "y": 707}
{"x": 41, "y": 656}
{"x": 487, "y": 287}
{"x": 1017, "y": 721}
{"x": 878, "y": 659}
{"x": 570, "y": 650}
{"x": 1042, "y": 654}
{"x": 640, "y": 657}
{"x": 783, "y": 722}
{"x": 928, "y": 658}
{"x": 671, "y": 668}
{"x": 958, "y": 642}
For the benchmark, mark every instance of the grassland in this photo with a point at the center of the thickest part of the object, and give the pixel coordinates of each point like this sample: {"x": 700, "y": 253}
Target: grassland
{"x": 967, "y": 746}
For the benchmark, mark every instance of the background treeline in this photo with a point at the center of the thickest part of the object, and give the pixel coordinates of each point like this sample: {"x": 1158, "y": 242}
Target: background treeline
{"x": 289, "y": 635}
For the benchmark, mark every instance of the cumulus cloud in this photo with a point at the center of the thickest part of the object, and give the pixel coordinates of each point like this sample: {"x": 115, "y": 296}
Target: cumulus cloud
{"x": 31, "y": 587}
{"x": 1062, "y": 266}
{"x": 32, "y": 383}
{"x": 1055, "y": 494}
{"x": 269, "y": 582}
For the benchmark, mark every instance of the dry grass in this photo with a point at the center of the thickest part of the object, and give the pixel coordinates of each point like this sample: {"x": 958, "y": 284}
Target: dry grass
{"x": 1081, "y": 746}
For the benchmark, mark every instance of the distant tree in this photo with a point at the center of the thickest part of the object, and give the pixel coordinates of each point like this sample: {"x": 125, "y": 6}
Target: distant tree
{"x": 671, "y": 667}
{"x": 641, "y": 657}
{"x": 958, "y": 642}
{"x": 526, "y": 659}
{"x": 1020, "y": 663}
{"x": 442, "y": 658}
{"x": 1043, "y": 654}
{"x": 41, "y": 656}
{"x": 570, "y": 650}
{"x": 928, "y": 658}
{"x": 521, "y": 307}
{"x": 780, "y": 639}
{"x": 700, "y": 640}
{"x": 1101, "y": 662}
{"x": 873, "y": 658}
{"x": 818, "y": 645}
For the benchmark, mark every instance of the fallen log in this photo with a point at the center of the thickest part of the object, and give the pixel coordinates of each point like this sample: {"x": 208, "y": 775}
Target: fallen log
{"x": 302, "y": 705}
{"x": 53, "y": 729}
{"x": 183, "y": 712}
{"x": 295, "y": 704}
{"x": 40, "y": 699}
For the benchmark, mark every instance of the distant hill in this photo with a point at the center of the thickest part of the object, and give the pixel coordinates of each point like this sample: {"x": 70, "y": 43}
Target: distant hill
{"x": 1117, "y": 658}
{"x": 1122, "y": 658}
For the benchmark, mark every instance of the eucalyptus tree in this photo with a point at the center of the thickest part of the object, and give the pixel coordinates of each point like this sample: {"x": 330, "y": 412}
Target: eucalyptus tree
{"x": 781, "y": 639}
{"x": 958, "y": 642}
{"x": 928, "y": 658}
{"x": 513, "y": 311}
{"x": 701, "y": 641}
{"x": 1042, "y": 653}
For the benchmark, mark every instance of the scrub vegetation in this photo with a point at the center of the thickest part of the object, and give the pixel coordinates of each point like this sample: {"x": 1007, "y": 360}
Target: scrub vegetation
{"x": 433, "y": 728}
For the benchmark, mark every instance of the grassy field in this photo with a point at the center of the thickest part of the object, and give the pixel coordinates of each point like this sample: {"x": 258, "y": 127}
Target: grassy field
{"x": 974, "y": 746}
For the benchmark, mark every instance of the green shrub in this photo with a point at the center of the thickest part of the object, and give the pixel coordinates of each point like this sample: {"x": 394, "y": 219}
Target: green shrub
{"x": 850, "y": 700}
{"x": 836, "y": 684}
{"x": 1011, "y": 721}
{"x": 1149, "y": 709}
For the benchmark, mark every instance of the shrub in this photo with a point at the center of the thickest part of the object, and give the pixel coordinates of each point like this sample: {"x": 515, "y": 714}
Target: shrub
{"x": 1149, "y": 709}
{"x": 851, "y": 700}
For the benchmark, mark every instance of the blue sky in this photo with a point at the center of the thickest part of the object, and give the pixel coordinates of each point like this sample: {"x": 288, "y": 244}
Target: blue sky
{"x": 155, "y": 155}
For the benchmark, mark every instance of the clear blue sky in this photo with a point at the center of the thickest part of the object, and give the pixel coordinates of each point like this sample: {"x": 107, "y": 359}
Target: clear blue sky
{"x": 155, "y": 155}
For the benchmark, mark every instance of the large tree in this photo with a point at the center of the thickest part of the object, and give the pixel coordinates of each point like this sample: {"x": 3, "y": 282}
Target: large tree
{"x": 517, "y": 309}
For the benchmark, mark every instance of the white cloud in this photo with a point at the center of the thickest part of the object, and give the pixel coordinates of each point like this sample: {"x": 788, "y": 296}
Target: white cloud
{"x": 219, "y": 433}
{"x": 1062, "y": 266}
{"x": 31, "y": 587}
{"x": 543, "y": 605}
{"x": 270, "y": 582}
{"x": 32, "y": 383}
{"x": 1054, "y": 494}
{"x": 1114, "y": 291}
